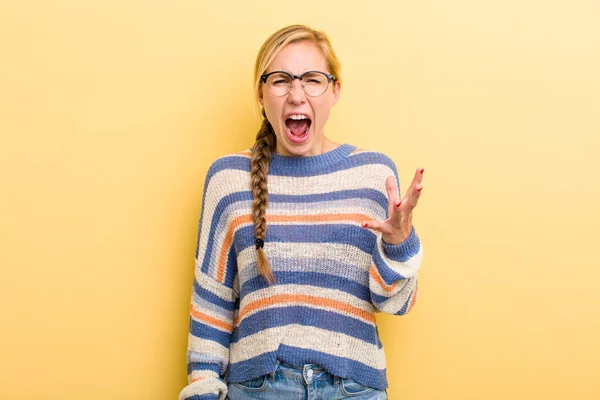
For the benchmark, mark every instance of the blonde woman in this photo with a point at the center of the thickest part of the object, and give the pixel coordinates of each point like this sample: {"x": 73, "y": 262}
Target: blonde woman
{"x": 301, "y": 240}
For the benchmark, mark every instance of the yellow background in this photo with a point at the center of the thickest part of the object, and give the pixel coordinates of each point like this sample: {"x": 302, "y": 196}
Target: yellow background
{"x": 112, "y": 111}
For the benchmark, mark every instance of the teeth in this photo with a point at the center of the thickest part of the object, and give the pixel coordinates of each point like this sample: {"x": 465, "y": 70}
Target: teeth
{"x": 298, "y": 117}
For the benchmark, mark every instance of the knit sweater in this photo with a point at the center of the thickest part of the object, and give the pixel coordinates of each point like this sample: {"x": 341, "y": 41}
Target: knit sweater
{"x": 332, "y": 274}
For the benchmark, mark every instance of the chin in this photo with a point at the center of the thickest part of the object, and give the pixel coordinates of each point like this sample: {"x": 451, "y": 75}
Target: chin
{"x": 295, "y": 149}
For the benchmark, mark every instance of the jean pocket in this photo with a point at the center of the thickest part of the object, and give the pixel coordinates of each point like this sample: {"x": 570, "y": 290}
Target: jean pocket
{"x": 252, "y": 385}
{"x": 350, "y": 387}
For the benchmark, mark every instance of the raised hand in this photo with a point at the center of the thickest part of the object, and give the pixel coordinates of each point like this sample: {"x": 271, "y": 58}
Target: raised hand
{"x": 398, "y": 226}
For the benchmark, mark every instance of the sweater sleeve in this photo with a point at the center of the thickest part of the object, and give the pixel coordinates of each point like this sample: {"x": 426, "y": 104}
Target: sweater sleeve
{"x": 212, "y": 300}
{"x": 393, "y": 278}
{"x": 393, "y": 275}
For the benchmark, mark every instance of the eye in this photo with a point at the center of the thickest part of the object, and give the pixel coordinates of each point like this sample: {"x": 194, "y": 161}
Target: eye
{"x": 314, "y": 78}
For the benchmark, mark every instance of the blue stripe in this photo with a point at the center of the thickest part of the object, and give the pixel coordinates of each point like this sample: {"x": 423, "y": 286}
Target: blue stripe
{"x": 307, "y": 316}
{"x": 194, "y": 366}
{"x": 201, "y": 304}
{"x": 204, "y": 331}
{"x": 404, "y": 251}
{"x": 208, "y": 396}
{"x": 252, "y": 368}
{"x": 211, "y": 297}
{"x": 369, "y": 194}
{"x": 242, "y": 163}
{"x": 388, "y": 274}
{"x": 317, "y": 279}
{"x": 405, "y": 307}
{"x": 351, "y": 235}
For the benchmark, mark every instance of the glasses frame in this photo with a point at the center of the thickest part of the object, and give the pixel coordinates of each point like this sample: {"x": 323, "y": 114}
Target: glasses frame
{"x": 330, "y": 78}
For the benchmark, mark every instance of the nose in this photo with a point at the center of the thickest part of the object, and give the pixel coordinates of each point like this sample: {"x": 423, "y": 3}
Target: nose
{"x": 296, "y": 94}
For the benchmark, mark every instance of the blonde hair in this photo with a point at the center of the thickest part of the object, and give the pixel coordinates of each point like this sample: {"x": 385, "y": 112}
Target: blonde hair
{"x": 266, "y": 140}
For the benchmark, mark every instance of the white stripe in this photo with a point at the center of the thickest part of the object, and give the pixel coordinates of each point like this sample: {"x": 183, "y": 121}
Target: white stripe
{"x": 408, "y": 268}
{"x": 210, "y": 284}
{"x": 205, "y": 386}
{"x": 307, "y": 337}
{"x": 366, "y": 207}
{"x": 206, "y": 350}
{"x": 333, "y": 251}
{"x": 356, "y": 273}
{"x": 265, "y": 341}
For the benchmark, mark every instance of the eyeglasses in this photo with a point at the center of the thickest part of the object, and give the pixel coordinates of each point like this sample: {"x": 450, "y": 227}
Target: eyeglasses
{"x": 314, "y": 83}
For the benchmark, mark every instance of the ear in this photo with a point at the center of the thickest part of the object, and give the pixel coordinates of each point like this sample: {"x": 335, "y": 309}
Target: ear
{"x": 260, "y": 95}
{"x": 337, "y": 87}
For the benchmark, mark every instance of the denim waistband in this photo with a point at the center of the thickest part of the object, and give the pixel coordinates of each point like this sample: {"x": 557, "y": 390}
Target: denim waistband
{"x": 301, "y": 372}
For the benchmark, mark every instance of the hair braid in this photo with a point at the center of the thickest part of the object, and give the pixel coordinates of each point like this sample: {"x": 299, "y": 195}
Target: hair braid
{"x": 259, "y": 169}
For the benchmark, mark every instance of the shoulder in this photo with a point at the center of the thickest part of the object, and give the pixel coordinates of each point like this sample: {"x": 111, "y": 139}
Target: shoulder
{"x": 371, "y": 158}
{"x": 228, "y": 174}
{"x": 238, "y": 161}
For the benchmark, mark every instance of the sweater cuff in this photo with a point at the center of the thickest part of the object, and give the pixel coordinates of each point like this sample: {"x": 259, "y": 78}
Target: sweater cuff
{"x": 210, "y": 396}
{"x": 405, "y": 250}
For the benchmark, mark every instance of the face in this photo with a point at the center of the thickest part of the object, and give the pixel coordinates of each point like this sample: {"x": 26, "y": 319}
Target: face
{"x": 297, "y": 58}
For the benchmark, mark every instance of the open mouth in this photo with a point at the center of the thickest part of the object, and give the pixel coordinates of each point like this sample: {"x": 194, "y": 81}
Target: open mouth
{"x": 297, "y": 128}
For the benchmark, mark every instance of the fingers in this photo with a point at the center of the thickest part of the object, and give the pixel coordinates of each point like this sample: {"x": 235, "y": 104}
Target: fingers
{"x": 398, "y": 210}
{"x": 414, "y": 191}
{"x": 392, "y": 192}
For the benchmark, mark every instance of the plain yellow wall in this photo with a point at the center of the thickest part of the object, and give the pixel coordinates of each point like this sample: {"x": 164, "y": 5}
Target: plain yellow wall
{"x": 112, "y": 111}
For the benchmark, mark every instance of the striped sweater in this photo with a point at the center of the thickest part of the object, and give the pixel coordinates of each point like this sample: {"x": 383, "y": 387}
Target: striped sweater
{"x": 332, "y": 274}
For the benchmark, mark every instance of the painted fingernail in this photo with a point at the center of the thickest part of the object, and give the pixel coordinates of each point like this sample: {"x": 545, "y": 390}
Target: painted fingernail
{"x": 418, "y": 190}
{"x": 422, "y": 170}
{"x": 364, "y": 224}
{"x": 398, "y": 205}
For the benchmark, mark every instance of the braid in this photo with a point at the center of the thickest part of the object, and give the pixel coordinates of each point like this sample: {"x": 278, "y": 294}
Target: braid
{"x": 259, "y": 169}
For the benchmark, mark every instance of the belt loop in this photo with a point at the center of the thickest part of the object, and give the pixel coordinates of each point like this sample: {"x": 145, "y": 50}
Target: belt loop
{"x": 336, "y": 381}
{"x": 272, "y": 374}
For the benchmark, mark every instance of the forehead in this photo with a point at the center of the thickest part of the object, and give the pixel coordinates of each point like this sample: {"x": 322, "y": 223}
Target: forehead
{"x": 299, "y": 57}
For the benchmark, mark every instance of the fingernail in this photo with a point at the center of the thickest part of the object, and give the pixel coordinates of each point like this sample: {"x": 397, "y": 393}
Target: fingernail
{"x": 422, "y": 170}
{"x": 364, "y": 224}
{"x": 398, "y": 205}
{"x": 418, "y": 190}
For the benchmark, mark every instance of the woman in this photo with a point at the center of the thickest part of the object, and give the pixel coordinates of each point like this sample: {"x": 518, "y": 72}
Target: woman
{"x": 301, "y": 240}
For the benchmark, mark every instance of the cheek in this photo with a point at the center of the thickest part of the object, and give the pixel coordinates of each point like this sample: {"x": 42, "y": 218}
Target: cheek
{"x": 272, "y": 106}
{"x": 322, "y": 109}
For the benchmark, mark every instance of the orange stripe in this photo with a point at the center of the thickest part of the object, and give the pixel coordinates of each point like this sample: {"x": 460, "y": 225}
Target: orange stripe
{"x": 302, "y": 298}
{"x": 414, "y": 299}
{"x": 242, "y": 219}
{"x": 198, "y": 379}
{"x": 210, "y": 320}
{"x": 247, "y": 219}
{"x": 375, "y": 275}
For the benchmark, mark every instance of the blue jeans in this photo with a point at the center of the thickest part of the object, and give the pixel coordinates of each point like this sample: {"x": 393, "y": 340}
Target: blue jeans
{"x": 307, "y": 382}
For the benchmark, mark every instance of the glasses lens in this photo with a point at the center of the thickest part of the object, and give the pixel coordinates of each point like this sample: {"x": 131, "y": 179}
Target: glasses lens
{"x": 315, "y": 83}
{"x": 279, "y": 84}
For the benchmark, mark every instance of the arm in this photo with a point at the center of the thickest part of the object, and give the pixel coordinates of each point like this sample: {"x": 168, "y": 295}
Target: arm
{"x": 397, "y": 255}
{"x": 212, "y": 302}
